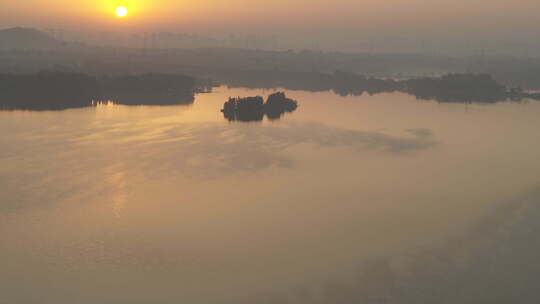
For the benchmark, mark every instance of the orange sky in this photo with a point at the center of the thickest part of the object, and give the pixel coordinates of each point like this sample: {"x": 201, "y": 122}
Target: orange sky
{"x": 414, "y": 16}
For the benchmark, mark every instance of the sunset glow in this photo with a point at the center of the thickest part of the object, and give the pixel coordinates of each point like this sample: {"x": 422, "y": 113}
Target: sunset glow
{"x": 269, "y": 152}
{"x": 121, "y": 11}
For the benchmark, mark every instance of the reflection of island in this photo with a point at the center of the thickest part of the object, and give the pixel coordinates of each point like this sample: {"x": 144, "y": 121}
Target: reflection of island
{"x": 59, "y": 91}
{"x": 254, "y": 108}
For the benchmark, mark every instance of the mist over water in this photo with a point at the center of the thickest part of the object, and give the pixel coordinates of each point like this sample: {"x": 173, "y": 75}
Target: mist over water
{"x": 376, "y": 199}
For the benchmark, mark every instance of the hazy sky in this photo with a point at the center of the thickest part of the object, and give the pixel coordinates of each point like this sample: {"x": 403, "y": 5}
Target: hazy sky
{"x": 429, "y": 19}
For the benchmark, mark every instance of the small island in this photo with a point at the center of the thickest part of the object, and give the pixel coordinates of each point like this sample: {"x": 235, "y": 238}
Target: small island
{"x": 254, "y": 108}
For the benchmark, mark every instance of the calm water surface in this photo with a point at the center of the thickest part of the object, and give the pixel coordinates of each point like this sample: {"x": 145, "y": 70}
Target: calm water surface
{"x": 142, "y": 204}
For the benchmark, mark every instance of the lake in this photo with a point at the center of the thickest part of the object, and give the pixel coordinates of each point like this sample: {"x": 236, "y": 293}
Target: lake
{"x": 379, "y": 198}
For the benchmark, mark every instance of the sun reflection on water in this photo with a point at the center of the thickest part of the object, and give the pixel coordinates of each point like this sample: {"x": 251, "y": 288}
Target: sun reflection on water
{"x": 119, "y": 196}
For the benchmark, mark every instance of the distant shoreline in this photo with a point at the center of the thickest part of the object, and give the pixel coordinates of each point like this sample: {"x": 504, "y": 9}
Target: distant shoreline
{"x": 58, "y": 91}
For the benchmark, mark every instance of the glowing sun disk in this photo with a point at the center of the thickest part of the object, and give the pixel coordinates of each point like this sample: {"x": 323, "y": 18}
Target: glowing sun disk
{"x": 121, "y": 11}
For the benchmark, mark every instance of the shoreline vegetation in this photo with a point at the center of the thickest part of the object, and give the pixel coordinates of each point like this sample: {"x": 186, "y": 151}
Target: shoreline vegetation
{"x": 454, "y": 87}
{"x": 59, "y": 91}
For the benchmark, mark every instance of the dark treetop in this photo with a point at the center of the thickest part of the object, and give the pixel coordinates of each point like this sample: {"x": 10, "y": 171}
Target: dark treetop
{"x": 254, "y": 108}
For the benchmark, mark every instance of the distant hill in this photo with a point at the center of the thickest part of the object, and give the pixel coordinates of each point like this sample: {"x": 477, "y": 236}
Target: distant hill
{"x": 27, "y": 38}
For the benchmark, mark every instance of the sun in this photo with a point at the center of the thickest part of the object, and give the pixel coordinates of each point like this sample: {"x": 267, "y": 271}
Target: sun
{"x": 121, "y": 11}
